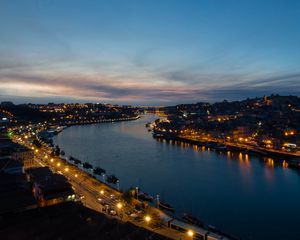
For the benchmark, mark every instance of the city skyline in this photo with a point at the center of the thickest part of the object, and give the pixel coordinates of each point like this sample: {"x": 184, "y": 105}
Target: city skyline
{"x": 148, "y": 52}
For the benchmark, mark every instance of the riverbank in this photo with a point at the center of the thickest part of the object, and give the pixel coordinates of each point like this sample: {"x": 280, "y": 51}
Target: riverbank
{"x": 85, "y": 122}
{"x": 173, "y": 228}
{"x": 217, "y": 187}
{"x": 70, "y": 220}
{"x": 293, "y": 159}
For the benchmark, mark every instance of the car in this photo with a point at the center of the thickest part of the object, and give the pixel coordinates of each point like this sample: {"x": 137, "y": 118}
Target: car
{"x": 128, "y": 213}
{"x": 81, "y": 197}
{"x": 102, "y": 202}
{"x": 134, "y": 215}
{"x": 113, "y": 212}
{"x": 112, "y": 196}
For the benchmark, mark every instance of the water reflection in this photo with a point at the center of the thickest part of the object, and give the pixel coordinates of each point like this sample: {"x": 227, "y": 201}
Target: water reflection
{"x": 221, "y": 188}
{"x": 243, "y": 158}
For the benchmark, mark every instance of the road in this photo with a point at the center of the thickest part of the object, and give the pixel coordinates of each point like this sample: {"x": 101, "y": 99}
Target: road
{"x": 91, "y": 191}
{"x": 243, "y": 146}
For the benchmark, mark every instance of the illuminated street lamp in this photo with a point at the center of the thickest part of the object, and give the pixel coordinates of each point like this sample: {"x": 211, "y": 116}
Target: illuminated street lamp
{"x": 102, "y": 192}
{"x": 119, "y": 205}
{"x": 147, "y": 218}
{"x": 76, "y": 175}
{"x": 66, "y": 169}
{"x": 58, "y": 164}
{"x": 51, "y": 160}
{"x": 190, "y": 233}
{"x": 36, "y": 150}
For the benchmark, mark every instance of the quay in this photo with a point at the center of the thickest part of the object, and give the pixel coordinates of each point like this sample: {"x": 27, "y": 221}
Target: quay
{"x": 93, "y": 193}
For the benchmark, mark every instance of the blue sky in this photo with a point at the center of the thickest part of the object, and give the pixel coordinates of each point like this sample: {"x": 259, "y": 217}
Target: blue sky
{"x": 148, "y": 52}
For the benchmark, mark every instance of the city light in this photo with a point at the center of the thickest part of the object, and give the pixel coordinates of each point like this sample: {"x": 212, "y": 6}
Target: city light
{"x": 147, "y": 218}
{"x": 119, "y": 205}
{"x": 58, "y": 164}
{"x": 66, "y": 169}
{"x": 102, "y": 192}
{"x": 51, "y": 160}
{"x": 76, "y": 175}
{"x": 190, "y": 233}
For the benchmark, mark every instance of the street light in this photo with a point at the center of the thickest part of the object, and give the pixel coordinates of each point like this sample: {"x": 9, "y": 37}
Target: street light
{"x": 58, "y": 164}
{"x": 66, "y": 169}
{"x": 147, "y": 218}
{"x": 102, "y": 192}
{"x": 76, "y": 175}
{"x": 51, "y": 160}
{"x": 190, "y": 233}
{"x": 119, "y": 205}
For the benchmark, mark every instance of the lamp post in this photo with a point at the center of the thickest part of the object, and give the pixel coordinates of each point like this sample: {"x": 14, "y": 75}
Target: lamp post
{"x": 120, "y": 206}
{"x": 137, "y": 193}
{"x": 147, "y": 219}
{"x": 190, "y": 233}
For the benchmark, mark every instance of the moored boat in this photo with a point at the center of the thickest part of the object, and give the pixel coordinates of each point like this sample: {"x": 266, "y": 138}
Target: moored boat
{"x": 192, "y": 220}
{"x": 221, "y": 147}
{"x": 112, "y": 179}
{"x": 166, "y": 206}
{"x": 145, "y": 197}
{"x": 86, "y": 165}
{"x": 99, "y": 171}
{"x": 77, "y": 161}
{"x": 294, "y": 163}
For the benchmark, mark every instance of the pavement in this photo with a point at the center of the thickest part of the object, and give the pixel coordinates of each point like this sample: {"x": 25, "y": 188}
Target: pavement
{"x": 89, "y": 190}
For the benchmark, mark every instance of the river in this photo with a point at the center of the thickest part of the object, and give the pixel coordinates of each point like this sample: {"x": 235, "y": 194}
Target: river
{"x": 243, "y": 195}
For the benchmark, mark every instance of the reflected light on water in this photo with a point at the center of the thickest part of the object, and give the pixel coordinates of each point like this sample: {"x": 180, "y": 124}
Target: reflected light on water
{"x": 270, "y": 162}
{"x": 285, "y": 164}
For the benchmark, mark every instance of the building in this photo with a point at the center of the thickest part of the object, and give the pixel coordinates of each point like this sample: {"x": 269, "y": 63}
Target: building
{"x": 15, "y": 193}
{"x": 49, "y": 188}
{"x": 10, "y": 166}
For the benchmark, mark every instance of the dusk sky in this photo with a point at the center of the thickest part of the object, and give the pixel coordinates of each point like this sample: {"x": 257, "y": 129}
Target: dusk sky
{"x": 148, "y": 52}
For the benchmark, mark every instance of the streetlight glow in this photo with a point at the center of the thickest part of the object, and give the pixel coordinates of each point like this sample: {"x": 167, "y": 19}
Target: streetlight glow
{"x": 190, "y": 233}
{"x": 147, "y": 218}
{"x": 119, "y": 205}
{"x": 58, "y": 164}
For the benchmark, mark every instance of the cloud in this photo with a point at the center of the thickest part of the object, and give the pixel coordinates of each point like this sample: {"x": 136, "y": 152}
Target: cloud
{"x": 122, "y": 88}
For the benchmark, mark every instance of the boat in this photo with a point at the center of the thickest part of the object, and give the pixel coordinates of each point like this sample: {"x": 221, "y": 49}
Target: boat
{"x": 112, "y": 179}
{"x": 145, "y": 197}
{"x": 99, "y": 171}
{"x": 192, "y": 220}
{"x": 294, "y": 163}
{"x": 221, "y": 147}
{"x": 77, "y": 161}
{"x": 87, "y": 165}
{"x": 166, "y": 206}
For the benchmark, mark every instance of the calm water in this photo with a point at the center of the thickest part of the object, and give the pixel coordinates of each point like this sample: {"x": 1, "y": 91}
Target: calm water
{"x": 240, "y": 194}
